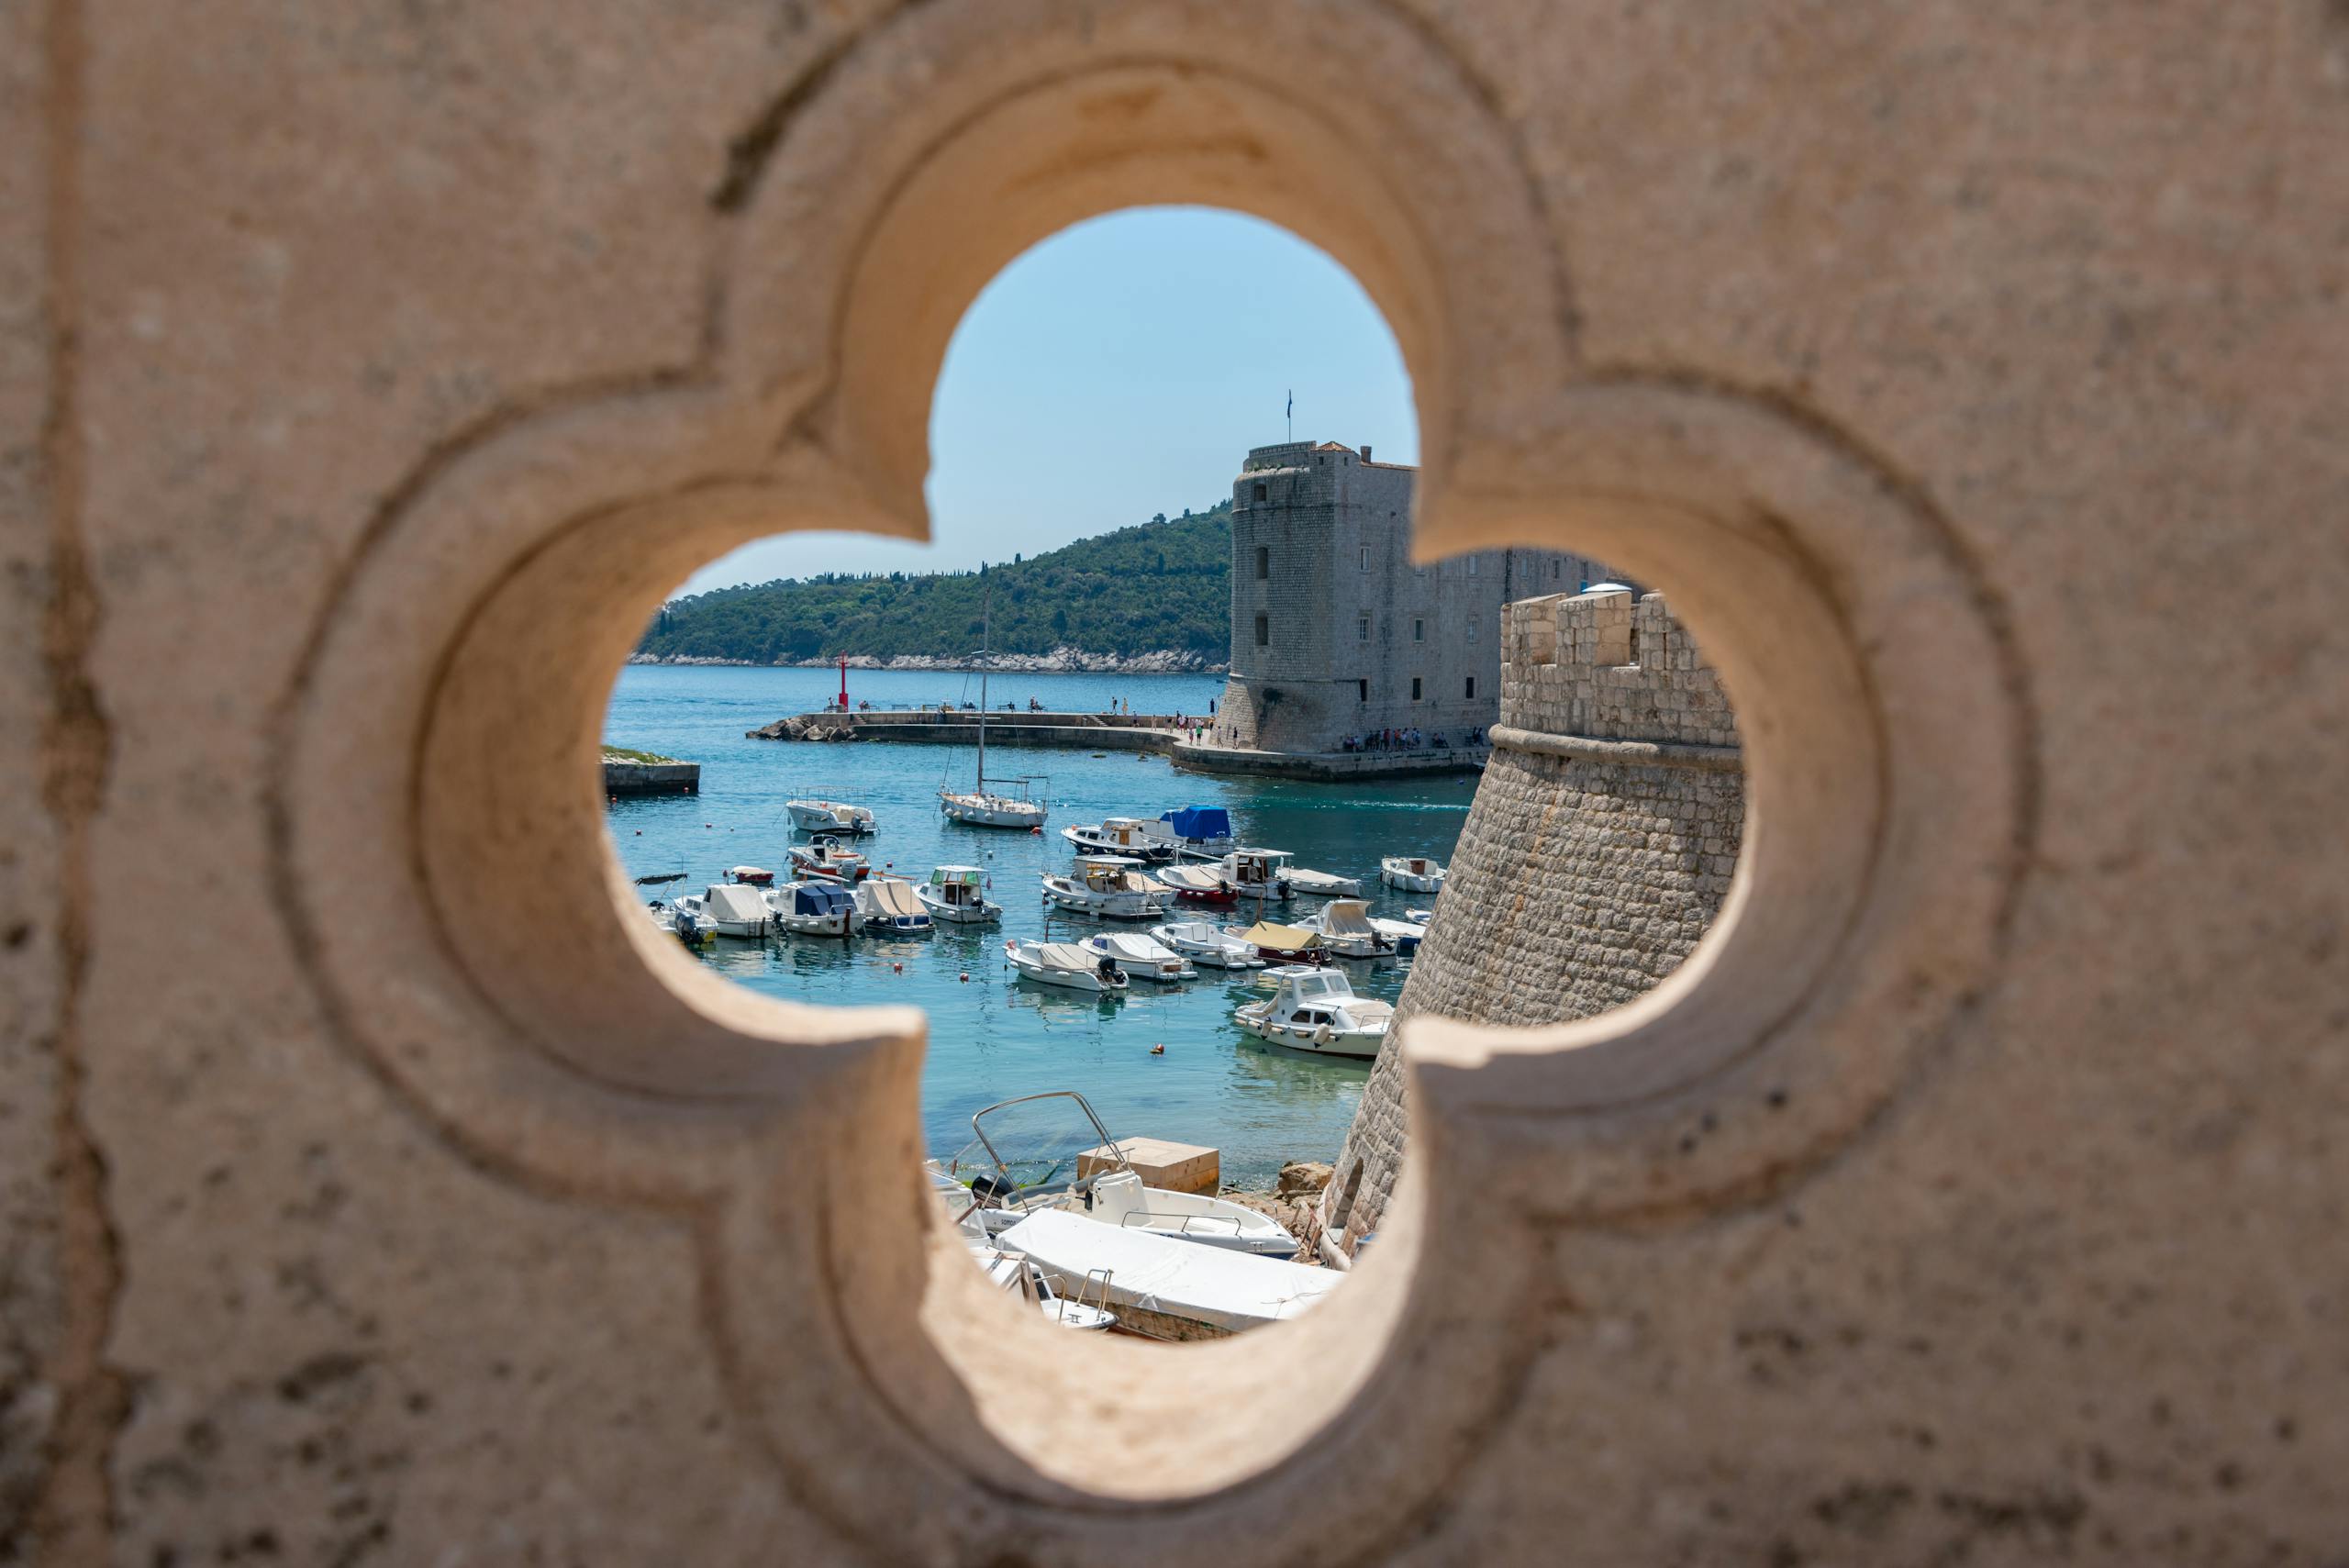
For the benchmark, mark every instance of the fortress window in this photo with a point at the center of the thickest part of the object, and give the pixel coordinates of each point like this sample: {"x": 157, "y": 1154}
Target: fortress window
{"x": 1418, "y": 631}
{"x": 1365, "y": 558}
{"x": 1471, "y": 566}
{"x": 1415, "y": 688}
{"x": 1260, "y": 493}
{"x": 1362, "y": 630}
{"x": 1473, "y": 629}
{"x": 1264, "y": 631}
{"x": 1362, "y": 691}
{"x": 1264, "y": 561}
{"x": 1472, "y": 688}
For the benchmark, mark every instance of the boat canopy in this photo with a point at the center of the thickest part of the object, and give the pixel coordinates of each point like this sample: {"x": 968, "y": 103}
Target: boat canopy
{"x": 892, "y": 896}
{"x": 948, "y": 876}
{"x": 1065, "y": 955}
{"x": 1347, "y": 918}
{"x": 1280, "y": 938}
{"x": 820, "y": 898}
{"x": 1135, "y": 946}
{"x": 733, "y": 901}
{"x": 1198, "y": 822}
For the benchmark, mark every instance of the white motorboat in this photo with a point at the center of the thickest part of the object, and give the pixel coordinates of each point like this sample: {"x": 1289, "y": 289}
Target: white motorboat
{"x": 1195, "y": 832}
{"x": 1323, "y": 883}
{"x": 829, "y": 817}
{"x": 1256, "y": 874}
{"x": 812, "y": 908}
{"x": 1107, "y": 885}
{"x": 677, "y": 923}
{"x": 957, "y": 894}
{"x": 888, "y": 904}
{"x": 1138, "y": 954}
{"x": 1411, "y": 873}
{"x": 1405, "y": 934}
{"x": 729, "y": 908}
{"x": 1316, "y": 1010}
{"x": 1346, "y": 930}
{"x": 1205, "y": 943}
{"x": 1120, "y": 836}
{"x": 1012, "y": 1272}
{"x": 979, "y": 806}
{"x": 825, "y": 858}
{"x": 1064, "y": 965}
{"x": 1419, "y": 916}
{"x": 1163, "y": 1287}
{"x": 1276, "y": 943}
{"x": 1104, "y": 1187}
{"x": 1197, "y": 885}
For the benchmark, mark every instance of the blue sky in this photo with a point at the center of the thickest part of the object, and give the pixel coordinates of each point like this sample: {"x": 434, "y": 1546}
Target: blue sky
{"x": 1121, "y": 368}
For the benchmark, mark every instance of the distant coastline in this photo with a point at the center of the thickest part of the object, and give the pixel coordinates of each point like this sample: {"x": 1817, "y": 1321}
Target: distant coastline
{"x": 1060, "y": 660}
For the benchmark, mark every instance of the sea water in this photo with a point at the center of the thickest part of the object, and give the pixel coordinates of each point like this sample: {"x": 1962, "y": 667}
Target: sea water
{"x": 993, "y": 1036}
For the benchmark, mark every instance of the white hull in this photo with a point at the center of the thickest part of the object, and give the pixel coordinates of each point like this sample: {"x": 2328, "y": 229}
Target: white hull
{"x": 1214, "y": 951}
{"x": 1321, "y": 1039}
{"x": 979, "y": 914}
{"x": 1066, "y": 977}
{"x": 1223, "y": 1290}
{"x": 992, "y": 811}
{"x": 1142, "y": 846}
{"x": 829, "y": 817}
{"x": 811, "y": 926}
{"x": 1398, "y": 874}
{"x": 1109, "y": 906}
{"x": 1321, "y": 884}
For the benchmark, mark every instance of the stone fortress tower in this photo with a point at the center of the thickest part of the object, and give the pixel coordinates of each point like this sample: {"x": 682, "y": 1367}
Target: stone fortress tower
{"x": 1336, "y": 634}
{"x": 1597, "y": 852}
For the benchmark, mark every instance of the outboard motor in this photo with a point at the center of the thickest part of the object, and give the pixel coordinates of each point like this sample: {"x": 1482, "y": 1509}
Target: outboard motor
{"x": 993, "y": 1190}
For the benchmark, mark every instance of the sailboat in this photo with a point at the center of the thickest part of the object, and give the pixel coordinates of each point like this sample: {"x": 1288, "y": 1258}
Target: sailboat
{"x": 980, "y": 806}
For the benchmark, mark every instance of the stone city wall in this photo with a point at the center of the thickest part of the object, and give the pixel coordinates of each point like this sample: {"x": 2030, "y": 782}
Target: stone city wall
{"x": 1597, "y": 852}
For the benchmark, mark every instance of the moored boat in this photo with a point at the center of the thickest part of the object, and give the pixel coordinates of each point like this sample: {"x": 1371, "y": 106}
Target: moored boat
{"x": 1064, "y": 965}
{"x": 1204, "y": 943}
{"x": 1197, "y": 885}
{"x": 1119, "y": 836}
{"x": 1145, "y": 956}
{"x": 1163, "y": 1287}
{"x": 1107, "y": 885}
{"x": 751, "y": 876}
{"x": 826, "y": 859}
{"x": 1196, "y": 833}
{"x": 678, "y": 923}
{"x": 888, "y": 904}
{"x": 1411, "y": 873}
{"x": 729, "y": 909}
{"x": 1316, "y": 1010}
{"x": 1323, "y": 883}
{"x": 1256, "y": 874}
{"x": 957, "y": 894}
{"x": 1346, "y": 930}
{"x": 1276, "y": 943}
{"x": 812, "y": 908}
{"x": 829, "y": 817}
{"x": 1405, "y": 934}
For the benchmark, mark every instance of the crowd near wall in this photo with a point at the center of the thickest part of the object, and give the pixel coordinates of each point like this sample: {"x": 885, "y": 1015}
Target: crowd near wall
{"x": 1336, "y": 633}
{"x": 1598, "y": 847}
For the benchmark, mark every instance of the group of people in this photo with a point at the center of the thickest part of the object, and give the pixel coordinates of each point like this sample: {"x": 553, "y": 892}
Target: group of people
{"x": 1406, "y": 739}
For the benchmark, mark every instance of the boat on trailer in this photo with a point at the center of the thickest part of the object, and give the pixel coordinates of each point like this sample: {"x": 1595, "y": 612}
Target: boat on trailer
{"x": 1316, "y": 1010}
{"x": 1205, "y": 943}
{"x": 1411, "y": 873}
{"x": 1067, "y": 965}
{"x": 729, "y": 909}
{"x": 1107, "y": 885}
{"x": 1142, "y": 955}
{"x": 957, "y": 894}
{"x": 811, "y": 908}
{"x": 829, "y": 817}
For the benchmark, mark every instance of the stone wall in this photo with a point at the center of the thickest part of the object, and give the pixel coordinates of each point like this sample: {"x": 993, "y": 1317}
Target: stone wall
{"x": 1599, "y": 849}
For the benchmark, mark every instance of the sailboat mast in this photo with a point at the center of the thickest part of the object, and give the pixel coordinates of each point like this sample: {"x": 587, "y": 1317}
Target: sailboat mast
{"x": 987, "y": 633}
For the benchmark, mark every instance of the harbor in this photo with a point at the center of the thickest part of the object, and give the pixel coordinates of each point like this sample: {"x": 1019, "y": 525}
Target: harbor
{"x": 993, "y": 1035}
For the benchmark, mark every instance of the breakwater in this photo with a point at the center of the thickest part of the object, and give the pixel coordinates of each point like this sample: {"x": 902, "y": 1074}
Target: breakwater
{"x": 959, "y": 727}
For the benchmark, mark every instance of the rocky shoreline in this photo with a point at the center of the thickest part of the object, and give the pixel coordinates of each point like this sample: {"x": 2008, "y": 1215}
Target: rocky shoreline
{"x": 1060, "y": 660}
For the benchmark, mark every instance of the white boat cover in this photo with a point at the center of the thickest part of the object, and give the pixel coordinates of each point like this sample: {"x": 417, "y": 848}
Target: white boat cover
{"x": 730, "y": 901}
{"x": 1298, "y": 877}
{"x": 1133, "y": 945}
{"x": 1197, "y": 879}
{"x": 1347, "y": 918}
{"x": 891, "y": 895}
{"x": 1183, "y": 1279}
{"x": 1060, "y": 955}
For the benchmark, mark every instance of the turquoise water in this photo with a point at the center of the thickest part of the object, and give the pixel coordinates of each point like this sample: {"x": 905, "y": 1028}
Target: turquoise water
{"x": 993, "y": 1037}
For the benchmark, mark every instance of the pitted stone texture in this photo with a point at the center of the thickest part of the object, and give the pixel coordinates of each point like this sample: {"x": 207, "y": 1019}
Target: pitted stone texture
{"x": 1578, "y": 881}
